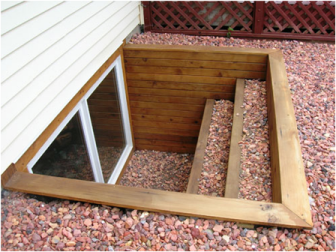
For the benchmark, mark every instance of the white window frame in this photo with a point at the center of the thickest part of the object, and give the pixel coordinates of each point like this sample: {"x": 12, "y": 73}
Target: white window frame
{"x": 84, "y": 115}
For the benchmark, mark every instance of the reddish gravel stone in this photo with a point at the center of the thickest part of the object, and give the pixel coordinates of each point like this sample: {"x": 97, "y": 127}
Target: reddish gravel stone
{"x": 88, "y": 222}
{"x": 218, "y": 228}
{"x": 213, "y": 175}
{"x": 255, "y": 175}
{"x": 165, "y": 171}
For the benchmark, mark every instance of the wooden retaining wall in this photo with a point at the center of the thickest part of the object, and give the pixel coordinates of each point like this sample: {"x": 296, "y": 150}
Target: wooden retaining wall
{"x": 168, "y": 87}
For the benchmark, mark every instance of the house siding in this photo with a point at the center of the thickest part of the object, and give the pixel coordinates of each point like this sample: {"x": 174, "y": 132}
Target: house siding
{"x": 49, "y": 50}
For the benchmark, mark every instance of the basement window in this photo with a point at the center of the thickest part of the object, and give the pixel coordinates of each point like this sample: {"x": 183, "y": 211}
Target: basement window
{"x": 94, "y": 140}
{"x": 167, "y": 87}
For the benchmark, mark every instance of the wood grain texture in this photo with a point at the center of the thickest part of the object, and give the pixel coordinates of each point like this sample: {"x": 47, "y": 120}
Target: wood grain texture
{"x": 181, "y": 93}
{"x": 199, "y": 49}
{"x": 197, "y": 165}
{"x": 293, "y": 185}
{"x": 165, "y": 143}
{"x": 232, "y": 179}
{"x": 273, "y": 139}
{"x": 181, "y": 86}
{"x": 182, "y": 139}
{"x": 165, "y": 125}
{"x": 170, "y": 106}
{"x": 185, "y": 75}
{"x": 196, "y": 64}
{"x": 262, "y": 213}
{"x": 167, "y": 119}
{"x": 7, "y": 174}
{"x": 181, "y": 78}
{"x": 161, "y": 112}
{"x": 177, "y": 132}
{"x": 250, "y": 58}
{"x": 197, "y": 72}
{"x": 168, "y": 99}
{"x": 204, "y": 53}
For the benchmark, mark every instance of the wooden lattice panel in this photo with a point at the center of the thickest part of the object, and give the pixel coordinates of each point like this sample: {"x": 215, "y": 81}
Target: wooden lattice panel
{"x": 299, "y": 18}
{"x": 202, "y": 15}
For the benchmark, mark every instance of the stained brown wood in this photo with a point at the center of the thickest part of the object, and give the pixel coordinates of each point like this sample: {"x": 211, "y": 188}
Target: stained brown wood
{"x": 112, "y": 116}
{"x": 196, "y": 64}
{"x": 103, "y": 96}
{"x": 262, "y": 213}
{"x": 101, "y": 102}
{"x": 181, "y": 93}
{"x": 177, "y": 132}
{"x": 7, "y": 174}
{"x": 181, "y": 78}
{"x": 273, "y": 139}
{"x": 21, "y": 164}
{"x": 104, "y": 108}
{"x": 168, "y": 99}
{"x": 167, "y": 119}
{"x": 232, "y": 179}
{"x": 197, "y": 56}
{"x": 292, "y": 180}
{"x": 182, "y": 139}
{"x": 165, "y": 143}
{"x": 106, "y": 89}
{"x": 159, "y": 74}
{"x": 113, "y": 128}
{"x": 197, "y": 165}
{"x": 198, "y": 49}
{"x": 164, "y": 125}
{"x": 104, "y": 120}
{"x": 148, "y": 111}
{"x": 206, "y": 53}
{"x": 196, "y": 72}
{"x": 170, "y": 106}
{"x": 181, "y": 86}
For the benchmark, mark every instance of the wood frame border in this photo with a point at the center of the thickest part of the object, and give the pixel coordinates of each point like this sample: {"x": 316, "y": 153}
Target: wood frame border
{"x": 290, "y": 209}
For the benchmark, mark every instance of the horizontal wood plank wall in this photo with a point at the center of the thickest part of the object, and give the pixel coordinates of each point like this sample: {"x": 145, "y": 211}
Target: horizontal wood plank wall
{"x": 169, "y": 85}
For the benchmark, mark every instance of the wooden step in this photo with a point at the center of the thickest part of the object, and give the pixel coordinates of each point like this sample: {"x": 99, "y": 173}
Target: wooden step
{"x": 201, "y": 206}
{"x": 197, "y": 166}
{"x": 232, "y": 178}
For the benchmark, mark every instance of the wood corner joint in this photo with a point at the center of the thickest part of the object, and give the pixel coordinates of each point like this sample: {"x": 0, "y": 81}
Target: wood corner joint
{"x": 307, "y": 224}
{"x": 8, "y": 174}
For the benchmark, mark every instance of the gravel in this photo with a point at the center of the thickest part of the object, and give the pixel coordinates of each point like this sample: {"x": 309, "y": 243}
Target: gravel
{"x": 255, "y": 176}
{"x": 158, "y": 170}
{"x": 28, "y": 223}
{"x": 213, "y": 176}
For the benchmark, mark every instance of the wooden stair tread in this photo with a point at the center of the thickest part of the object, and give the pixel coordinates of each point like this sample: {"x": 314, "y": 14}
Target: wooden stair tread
{"x": 197, "y": 165}
{"x": 202, "y": 206}
{"x": 232, "y": 178}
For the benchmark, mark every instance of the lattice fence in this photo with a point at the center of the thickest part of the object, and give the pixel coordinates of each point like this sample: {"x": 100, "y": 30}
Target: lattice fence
{"x": 289, "y": 20}
{"x": 202, "y": 15}
{"x": 300, "y": 18}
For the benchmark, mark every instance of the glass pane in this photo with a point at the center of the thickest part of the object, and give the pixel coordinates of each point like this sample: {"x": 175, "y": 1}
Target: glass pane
{"x": 107, "y": 123}
{"x": 67, "y": 156}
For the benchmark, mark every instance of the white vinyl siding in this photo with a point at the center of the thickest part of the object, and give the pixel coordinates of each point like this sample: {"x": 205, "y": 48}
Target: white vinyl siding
{"x": 47, "y": 67}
